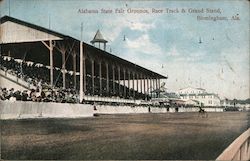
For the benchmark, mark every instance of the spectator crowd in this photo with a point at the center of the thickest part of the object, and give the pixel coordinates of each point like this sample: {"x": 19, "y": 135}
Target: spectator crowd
{"x": 38, "y": 75}
{"x": 60, "y": 96}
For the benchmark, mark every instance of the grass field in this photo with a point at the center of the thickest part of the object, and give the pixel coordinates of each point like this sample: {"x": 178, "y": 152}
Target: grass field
{"x": 168, "y": 136}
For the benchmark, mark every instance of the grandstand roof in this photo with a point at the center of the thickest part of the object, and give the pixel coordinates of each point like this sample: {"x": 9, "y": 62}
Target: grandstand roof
{"x": 24, "y": 23}
{"x": 35, "y": 51}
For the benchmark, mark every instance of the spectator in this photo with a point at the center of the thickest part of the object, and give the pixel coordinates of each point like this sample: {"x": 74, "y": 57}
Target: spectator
{"x": 33, "y": 95}
{"x": 1, "y": 94}
{"x": 25, "y": 95}
{"x": 18, "y": 95}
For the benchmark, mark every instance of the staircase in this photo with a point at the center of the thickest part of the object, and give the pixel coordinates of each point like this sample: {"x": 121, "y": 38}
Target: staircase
{"x": 9, "y": 80}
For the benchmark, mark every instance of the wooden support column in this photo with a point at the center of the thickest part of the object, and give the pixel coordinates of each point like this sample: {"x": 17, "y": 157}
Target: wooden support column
{"x": 147, "y": 86}
{"x": 141, "y": 84}
{"x": 107, "y": 78}
{"x": 156, "y": 85}
{"x": 151, "y": 87}
{"x": 74, "y": 68}
{"x": 153, "y": 84}
{"x": 93, "y": 76}
{"x": 119, "y": 80}
{"x": 84, "y": 75}
{"x": 124, "y": 86}
{"x": 81, "y": 72}
{"x": 159, "y": 85}
{"x": 50, "y": 47}
{"x": 51, "y": 63}
{"x": 129, "y": 83}
{"x": 63, "y": 69}
{"x": 100, "y": 77}
{"x": 144, "y": 85}
{"x": 137, "y": 82}
{"x": 133, "y": 85}
{"x": 62, "y": 48}
{"x": 113, "y": 78}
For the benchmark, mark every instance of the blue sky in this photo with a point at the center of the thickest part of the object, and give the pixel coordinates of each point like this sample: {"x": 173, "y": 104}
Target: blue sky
{"x": 166, "y": 43}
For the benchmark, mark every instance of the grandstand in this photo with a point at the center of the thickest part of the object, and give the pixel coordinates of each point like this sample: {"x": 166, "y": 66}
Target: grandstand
{"x": 36, "y": 56}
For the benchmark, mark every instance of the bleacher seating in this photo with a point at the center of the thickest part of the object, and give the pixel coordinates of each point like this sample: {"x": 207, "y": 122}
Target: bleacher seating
{"x": 39, "y": 75}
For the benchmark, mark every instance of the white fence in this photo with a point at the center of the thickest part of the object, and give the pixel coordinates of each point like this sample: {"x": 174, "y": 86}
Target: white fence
{"x": 239, "y": 149}
{"x": 106, "y": 109}
{"x": 22, "y": 110}
{"x": 108, "y": 99}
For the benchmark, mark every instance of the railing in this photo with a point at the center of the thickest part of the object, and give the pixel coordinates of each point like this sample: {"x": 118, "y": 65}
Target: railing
{"x": 15, "y": 79}
{"x": 239, "y": 149}
{"x": 108, "y": 99}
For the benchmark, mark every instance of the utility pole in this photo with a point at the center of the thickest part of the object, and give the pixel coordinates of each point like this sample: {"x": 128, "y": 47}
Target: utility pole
{"x": 81, "y": 67}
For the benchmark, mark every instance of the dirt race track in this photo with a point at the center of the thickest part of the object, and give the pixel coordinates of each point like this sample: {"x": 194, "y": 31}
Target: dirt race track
{"x": 182, "y": 136}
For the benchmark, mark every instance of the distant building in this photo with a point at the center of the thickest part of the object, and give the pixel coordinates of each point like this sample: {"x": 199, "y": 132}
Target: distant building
{"x": 190, "y": 90}
{"x": 192, "y": 103}
{"x": 241, "y": 105}
{"x": 199, "y": 96}
{"x": 166, "y": 97}
{"x": 227, "y": 103}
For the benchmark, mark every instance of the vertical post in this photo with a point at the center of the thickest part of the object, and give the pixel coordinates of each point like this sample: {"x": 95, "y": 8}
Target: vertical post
{"x": 81, "y": 72}
{"x": 144, "y": 84}
{"x": 141, "y": 84}
{"x": 159, "y": 86}
{"x": 113, "y": 77}
{"x": 100, "y": 77}
{"x": 137, "y": 82}
{"x": 84, "y": 74}
{"x": 9, "y": 7}
{"x": 147, "y": 86}
{"x": 133, "y": 85}
{"x": 119, "y": 80}
{"x": 124, "y": 86}
{"x": 93, "y": 76}
{"x": 107, "y": 78}
{"x": 51, "y": 63}
{"x": 74, "y": 68}
{"x": 151, "y": 87}
{"x": 154, "y": 85}
{"x": 63, "y": 69}
{"x": 129, "y": 83}
{"x": 104, "y": 47}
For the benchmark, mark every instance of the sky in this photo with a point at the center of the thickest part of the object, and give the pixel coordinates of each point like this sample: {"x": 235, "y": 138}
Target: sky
{"x": 168, "y": 43}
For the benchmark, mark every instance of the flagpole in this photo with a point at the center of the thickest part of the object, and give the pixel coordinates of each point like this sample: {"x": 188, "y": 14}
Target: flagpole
{"x": 81, "y": 67}
{"x": 9, "y": 7}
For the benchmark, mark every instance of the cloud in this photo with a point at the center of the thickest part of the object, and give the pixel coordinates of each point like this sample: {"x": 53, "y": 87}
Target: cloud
{"x": 118, "y": 24}
{"x": 141, "y": 26}
{"x": 173, "y": 52}
{"x": 143, "y": 44}
{"x": 235, "y": 55}
{"x": 216, "y": 77}
{"x": 195, "y": 57}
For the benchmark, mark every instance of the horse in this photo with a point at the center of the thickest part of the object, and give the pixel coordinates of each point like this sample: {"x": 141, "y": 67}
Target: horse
{"x": 202, "y": 113}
